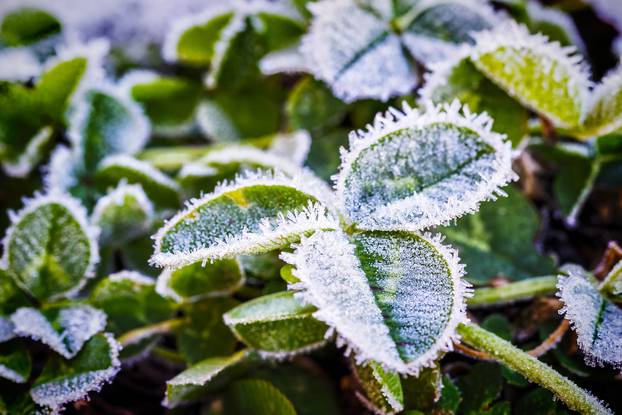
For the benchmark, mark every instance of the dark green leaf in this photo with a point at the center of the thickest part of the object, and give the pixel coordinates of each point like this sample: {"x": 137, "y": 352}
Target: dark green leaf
{"x": 257, "y": 397}
{"x": 26, "y": 25}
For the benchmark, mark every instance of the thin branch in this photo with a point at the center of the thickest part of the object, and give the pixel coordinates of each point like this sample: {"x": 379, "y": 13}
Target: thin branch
{"x": 551, "y": 341}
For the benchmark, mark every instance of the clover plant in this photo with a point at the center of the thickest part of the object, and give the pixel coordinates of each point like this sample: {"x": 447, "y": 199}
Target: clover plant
{"x": 310, "y": 207}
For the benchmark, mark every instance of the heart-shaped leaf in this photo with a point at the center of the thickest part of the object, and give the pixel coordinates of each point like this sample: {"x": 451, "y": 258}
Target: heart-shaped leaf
{"x": 50, "y": 249}
{"x": 106, "y": 122}
{"x": 392, "y": 297}
{"x": 257, "y": 397}
{"x": 604, "y": 112}
{"x": 27, "y": 25}
{"x": 540, "y": 74}
{"x": 159, "y": 188}
{"x": 277, "y": 325}
{"x": 596, "y": 320}
{"x": 64, "y": 329}
{"x": 196, "y": 281}
{"x": 65, "y": 381}
{"x": 169, "y": 102}
{"x": 15, "y": 365}
{"x": 257, "y": 213}
{"x": 207, "y": 375}
{"x": 383, "y": 388}
{"x": 123, "y": 214}
{"x": 413, "y": 170}
{"x": 130, "y": 300}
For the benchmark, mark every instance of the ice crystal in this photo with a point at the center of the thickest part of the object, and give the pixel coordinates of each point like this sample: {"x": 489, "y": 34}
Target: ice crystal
{"x": 63, "y": 171}
{"x": 597, "y": 321}
{"x": 18, "y": 64}
{"x": 55, "y": 393}
{"x": 76, "y": 325}
{"x": 10, "y": 374}
{"x": 256, "y": 213}
{"x": 412, "y": 169}
{"x": 373, "y": 288}
{"x": 352, "y": 50}
{"x": 6, "y": 329}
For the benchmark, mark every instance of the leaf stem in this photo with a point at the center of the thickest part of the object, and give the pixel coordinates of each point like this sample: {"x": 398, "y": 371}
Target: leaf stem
{"x": 531, "y": 368}
{"x": 515, "y": 291}
{"x": 173, "y": 158}
{"x": 136, "y": 335}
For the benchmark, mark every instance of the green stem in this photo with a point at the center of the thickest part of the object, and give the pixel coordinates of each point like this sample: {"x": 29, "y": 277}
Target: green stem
{"x": 136, "y": 335}
{"x": 173, "y": 158}
{"x": 531, "y": 368}
{"x": 515, "y": 291}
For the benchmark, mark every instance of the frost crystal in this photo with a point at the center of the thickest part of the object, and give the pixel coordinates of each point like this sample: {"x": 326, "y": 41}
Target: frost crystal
{"x": 18, "y": 64}
{"x": 77, "y": 325}
{"x": 597, "y": 321}
{"x": 64, "y": 169}
{"x": 294, "y": 146}
{"x": 412, "y": 170}
{"x": 603, "y": 113}
{"x": 353, "y": 51}
{"x": 142, "y": 168}
{"x": 6, "y": 329}
{"x": 395, "y": 298}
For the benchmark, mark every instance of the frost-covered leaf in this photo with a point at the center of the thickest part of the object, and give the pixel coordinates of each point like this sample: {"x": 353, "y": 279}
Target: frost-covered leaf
{"x": 257, "y": 213}
{"x": 195, "y": 281}
{"x": 555, "y": 24}
{"x": 277, "y": 325}
{"x": 169, "y": 102}
{"x": 257, "y": 397}
{"x": 596, "y": 320}
{"x": 50, "y": 249}
{"x": 414, "y": 170}
{"x": 611, "y": 286}
{"x": 392, "y": 297}
{"x": 122, "y": 214}
{"x": 540, "y": 74}
{"x": 383, "y": 388}
{"x": 499, "y": 240}
{"x": 203, "y": 333}
{"x": 65, "y": 329}
{"x": 130, "y": 300}
{"x": 457, "y": 78}
{"x": 15, "y": 364}
{"x": 354, "y": 51}
{"x": 27, "y": 25}
{"x": 106, "y": 122}
{"x": 159, "y": 188}
{"x": 262, "y": 266}
{"x": 311, "y": 106}
{"x": 604, "y": 111}
{"x": 25, "y": 64}
{"x": 65, "y": 381}
{"x": 6, "y": 329}
{"x": 208, "y": 375}
{"x": 230, "y": 116}
{"x": 292, "y": 146}
{"x": 11, "y": 298}
{"x": 423, "y": 392}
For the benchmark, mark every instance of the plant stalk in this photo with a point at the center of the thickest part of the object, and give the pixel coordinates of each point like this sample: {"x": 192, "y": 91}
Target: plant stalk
{"x": 531, "y": 368}
{"x": 136, "y": 335}
{"x": 514, "y": 291}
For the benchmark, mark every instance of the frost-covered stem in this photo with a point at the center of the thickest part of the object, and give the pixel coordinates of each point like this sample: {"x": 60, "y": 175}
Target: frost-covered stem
{"x": 515, "y": 291}
{"x": 136, "y": 335}
{"x": 173, "y": 158}
{"x": 531, "y": 368}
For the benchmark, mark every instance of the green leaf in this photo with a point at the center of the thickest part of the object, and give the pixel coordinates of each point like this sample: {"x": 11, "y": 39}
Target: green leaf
{"x": 65, "y": 329}
{"x": 604, "y": 112}
{"x": 208, "y": 375}
{"x": 392, "y": 297}
{"x": 457, "y": 78}
{"x": 450, "y": 396}
{"x": 611, "y": 286}
{"x": 257, "y": 397}
{"x": 383, "y": 388}
{"x": 169, "y": 102}
{"x": 263, "y": 266}
{"x": 499, "y": 240}
{"x": 107, "y": 123}
{"x": 158, "y": 187}
{"x": 15, "y": 365}
{"x": 20, "y": 403}
{"x": 541, "y": 75}
{"x": 311, "y": 106}
{"x": 130, "y": 300}
{"x": 537, "y": 402}
{"x": 196, "y": 281}
{"x": 423, "y": 391}
{"x": 65, "y": 381}
{"x": 277, "y": 325}
{"x": 246, "y": 217}
{"x": 414, "y": 170}
{"x": 310, "y": 391}
{"x": 26, "y": 25}
{"x": 499, "y": 325}
{"x": 480, "y": 387}
{"x": 50, "y": 249}
{"x": 123, "y": 214}
{"x": 596, "y": 320}
{"x": 11, "y": 298}
{"x": 324, "y": 153}
{"x": 203, "y": 333}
